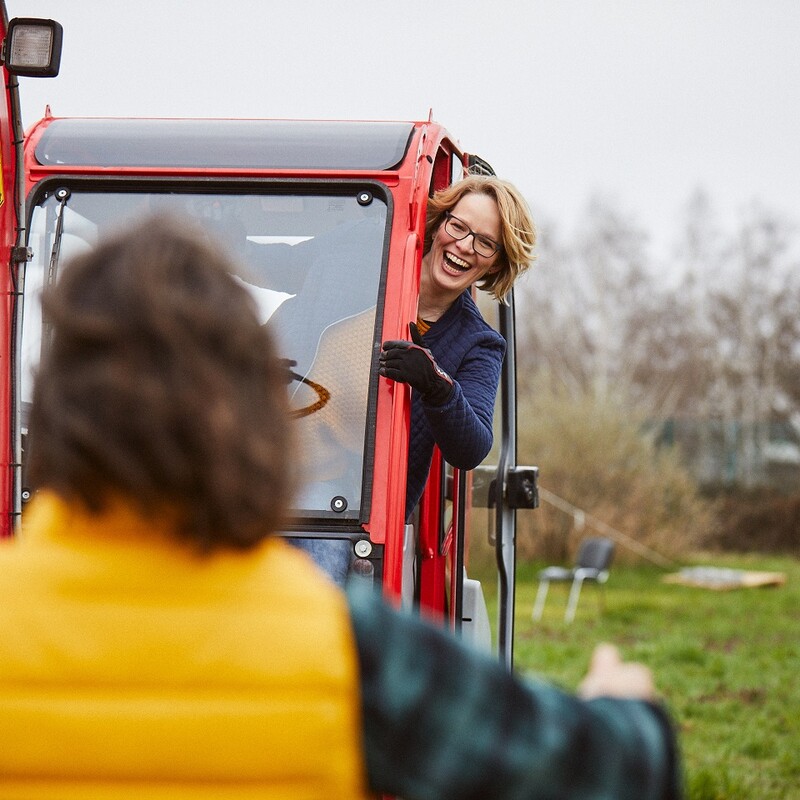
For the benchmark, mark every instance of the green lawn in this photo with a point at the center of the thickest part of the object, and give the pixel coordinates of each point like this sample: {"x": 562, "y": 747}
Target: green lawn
{"x": 726, "y": 663}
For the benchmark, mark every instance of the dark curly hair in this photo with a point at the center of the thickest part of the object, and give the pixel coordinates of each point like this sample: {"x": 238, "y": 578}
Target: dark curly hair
{"x": 161, "y": 387}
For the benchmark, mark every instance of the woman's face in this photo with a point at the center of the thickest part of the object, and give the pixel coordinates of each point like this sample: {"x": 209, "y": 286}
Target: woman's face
{"x": 452, "y": 265}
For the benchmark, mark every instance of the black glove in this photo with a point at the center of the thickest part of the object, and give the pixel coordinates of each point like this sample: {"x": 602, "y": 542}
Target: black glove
{"x": 413, "y": 363}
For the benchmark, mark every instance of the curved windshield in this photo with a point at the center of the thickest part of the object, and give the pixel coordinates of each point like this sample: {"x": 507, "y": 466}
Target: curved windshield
{"x": 313, "y": 263}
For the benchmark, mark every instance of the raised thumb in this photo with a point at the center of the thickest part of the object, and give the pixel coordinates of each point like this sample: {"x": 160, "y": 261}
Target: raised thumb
{"x": 416, "y": 336}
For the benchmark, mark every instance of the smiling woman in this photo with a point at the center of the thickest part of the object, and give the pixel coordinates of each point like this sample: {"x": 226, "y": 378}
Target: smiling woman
{"x": 479, "y": 232}
{"x": 459, "y": 256}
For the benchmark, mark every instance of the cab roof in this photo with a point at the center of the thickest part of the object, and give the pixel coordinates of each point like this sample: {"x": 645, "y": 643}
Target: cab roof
{"x": 224, "y": 144}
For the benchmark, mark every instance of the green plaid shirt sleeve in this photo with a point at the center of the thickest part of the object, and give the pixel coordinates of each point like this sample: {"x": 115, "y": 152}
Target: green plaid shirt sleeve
{"x": 442, "y": 721}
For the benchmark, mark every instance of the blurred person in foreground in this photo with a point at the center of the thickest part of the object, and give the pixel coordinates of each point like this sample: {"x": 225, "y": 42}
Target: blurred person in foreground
{"x": 156, "y": 640}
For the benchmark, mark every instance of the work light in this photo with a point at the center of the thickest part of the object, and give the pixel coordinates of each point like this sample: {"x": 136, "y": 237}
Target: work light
{"x": 32, "y": 47}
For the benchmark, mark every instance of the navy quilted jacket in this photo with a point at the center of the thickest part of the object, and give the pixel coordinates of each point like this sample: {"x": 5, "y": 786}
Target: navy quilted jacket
{"x": 471, "y": 352}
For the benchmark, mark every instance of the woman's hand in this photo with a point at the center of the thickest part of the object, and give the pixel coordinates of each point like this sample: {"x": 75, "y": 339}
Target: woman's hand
{"x": 414, "y": 364}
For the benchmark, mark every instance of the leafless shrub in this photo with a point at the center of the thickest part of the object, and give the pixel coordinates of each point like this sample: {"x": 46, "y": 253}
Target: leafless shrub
{"x": 600, "y": 458}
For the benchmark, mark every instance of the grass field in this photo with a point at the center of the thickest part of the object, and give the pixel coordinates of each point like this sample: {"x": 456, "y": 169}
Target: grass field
{"x": 726, "y": 664}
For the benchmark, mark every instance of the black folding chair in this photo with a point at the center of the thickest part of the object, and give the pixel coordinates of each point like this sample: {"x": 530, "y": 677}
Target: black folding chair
{"x": 591, "y": 564}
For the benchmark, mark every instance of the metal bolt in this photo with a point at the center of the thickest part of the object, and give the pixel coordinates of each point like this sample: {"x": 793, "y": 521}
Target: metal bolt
{"x": 362, "y": 548}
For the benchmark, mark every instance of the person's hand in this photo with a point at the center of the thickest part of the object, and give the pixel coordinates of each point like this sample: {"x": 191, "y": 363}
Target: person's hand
{"x": 610, "y": 676}
{"x": 412, "y": 363}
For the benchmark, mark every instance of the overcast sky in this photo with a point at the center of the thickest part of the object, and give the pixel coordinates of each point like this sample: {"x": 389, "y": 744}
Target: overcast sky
{"x": 641, "y": 101}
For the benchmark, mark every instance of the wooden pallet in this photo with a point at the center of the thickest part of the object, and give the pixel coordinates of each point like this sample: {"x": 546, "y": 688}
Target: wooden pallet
{"x": 721, "y": 579}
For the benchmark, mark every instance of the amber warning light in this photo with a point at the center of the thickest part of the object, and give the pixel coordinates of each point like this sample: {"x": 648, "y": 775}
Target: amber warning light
{"x": 32, "y": 48}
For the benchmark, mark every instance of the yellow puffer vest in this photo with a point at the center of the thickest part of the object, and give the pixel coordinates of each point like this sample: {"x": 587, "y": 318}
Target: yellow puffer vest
{"x": 132, "y": 668}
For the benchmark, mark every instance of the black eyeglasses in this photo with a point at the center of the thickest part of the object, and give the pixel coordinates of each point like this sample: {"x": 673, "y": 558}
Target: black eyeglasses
{"x": 458, "y": 229}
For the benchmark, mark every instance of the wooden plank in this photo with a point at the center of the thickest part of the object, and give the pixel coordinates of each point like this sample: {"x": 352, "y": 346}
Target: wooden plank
{"x": 721, "y": 579}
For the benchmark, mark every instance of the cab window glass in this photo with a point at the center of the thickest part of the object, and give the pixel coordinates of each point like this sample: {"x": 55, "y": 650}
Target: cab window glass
{"x": 313, "y": 264}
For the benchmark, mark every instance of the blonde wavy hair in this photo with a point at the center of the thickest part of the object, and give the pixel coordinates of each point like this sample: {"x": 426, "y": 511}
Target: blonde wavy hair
{"x": 517, "y": 231}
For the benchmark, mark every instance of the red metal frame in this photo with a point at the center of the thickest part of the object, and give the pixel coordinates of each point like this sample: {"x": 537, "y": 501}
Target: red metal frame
{"x": 427, "y": 164}
{"x": 8, "y": 232}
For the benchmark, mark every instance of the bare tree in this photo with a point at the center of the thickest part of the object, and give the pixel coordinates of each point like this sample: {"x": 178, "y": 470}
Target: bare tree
{"x": 585, "y": 306}
{"x": 752, "y": 310}
{"x": 679, "y": 373}
{"x": 713, "y": 341}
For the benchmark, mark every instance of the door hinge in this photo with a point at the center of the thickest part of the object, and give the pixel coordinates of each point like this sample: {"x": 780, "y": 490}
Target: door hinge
{"x": 20, "y": 254}
{"x": 522, "y": 488}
